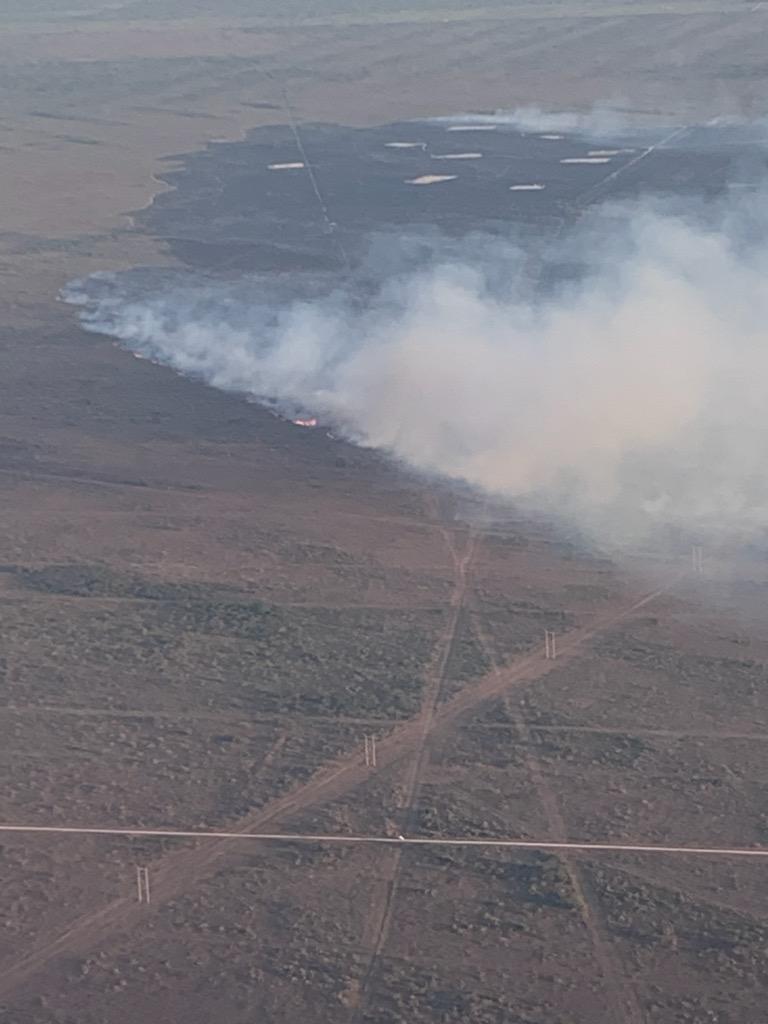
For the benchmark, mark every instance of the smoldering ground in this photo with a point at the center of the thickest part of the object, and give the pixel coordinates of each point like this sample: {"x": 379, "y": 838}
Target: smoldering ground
{"x": 629, "y": 395}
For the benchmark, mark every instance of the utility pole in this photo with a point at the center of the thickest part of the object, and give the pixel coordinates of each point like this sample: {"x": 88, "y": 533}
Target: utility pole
{"x": 697, "y": 559}
{"x": 370, "y": 751}
{"x": 550, "y": 645}
{"x": 142, "y": 885}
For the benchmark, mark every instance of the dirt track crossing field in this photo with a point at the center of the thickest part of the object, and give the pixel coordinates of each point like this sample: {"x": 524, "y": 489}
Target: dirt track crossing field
{"x": 176, "y": 872}
{"x": 382, "y": 904}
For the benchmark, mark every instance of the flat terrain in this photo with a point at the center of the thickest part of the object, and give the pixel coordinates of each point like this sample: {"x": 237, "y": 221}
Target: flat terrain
{"x": 205, "y": 609}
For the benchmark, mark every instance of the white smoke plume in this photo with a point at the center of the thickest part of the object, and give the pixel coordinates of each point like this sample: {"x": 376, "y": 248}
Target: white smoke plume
{"x": 637, "y": 394}
{"x": 599, "y": 121}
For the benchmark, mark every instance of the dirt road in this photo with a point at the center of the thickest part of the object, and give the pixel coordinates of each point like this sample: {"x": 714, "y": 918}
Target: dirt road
{"x": 379, "y": 917}
{"x": 181, "y": 870}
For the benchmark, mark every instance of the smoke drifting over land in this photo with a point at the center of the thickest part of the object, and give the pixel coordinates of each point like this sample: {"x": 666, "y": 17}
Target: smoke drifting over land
{"x": 635, "y": 394}
{"x": 598, "y": 122}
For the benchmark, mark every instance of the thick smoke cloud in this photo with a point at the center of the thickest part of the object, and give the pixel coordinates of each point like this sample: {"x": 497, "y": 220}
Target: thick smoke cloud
{"x": 600, "y": 121}
{"x": 632, "y": 395}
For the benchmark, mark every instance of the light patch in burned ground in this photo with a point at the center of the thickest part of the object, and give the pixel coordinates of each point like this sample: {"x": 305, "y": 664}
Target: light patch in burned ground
{"x": 431, "y": 179}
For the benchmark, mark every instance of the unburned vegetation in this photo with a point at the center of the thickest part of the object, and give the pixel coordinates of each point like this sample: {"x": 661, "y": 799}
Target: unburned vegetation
{"x": 678, "y": 946}
{"x": 94, "y": 580}
{"x": 467, "y": 658}
{"x": 211, "y": 649}
{"x": 155, "y": 772}
{"x": 517, "y": 626}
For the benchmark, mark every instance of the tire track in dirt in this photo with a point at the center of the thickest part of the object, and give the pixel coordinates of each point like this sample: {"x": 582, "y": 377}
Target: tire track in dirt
{"x": 178, "y": 871}
{"x": 621, "y": 995}
{"x": 379, "y": 917}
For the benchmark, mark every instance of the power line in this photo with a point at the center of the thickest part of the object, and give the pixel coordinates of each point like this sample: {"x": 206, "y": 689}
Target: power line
{"x": 550, "y": 645}
{"x": 370, "y": 751}
{"x": 330, "y": 225}
{"x": 142, "y": 885}
{"x": 453, "y": 841}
